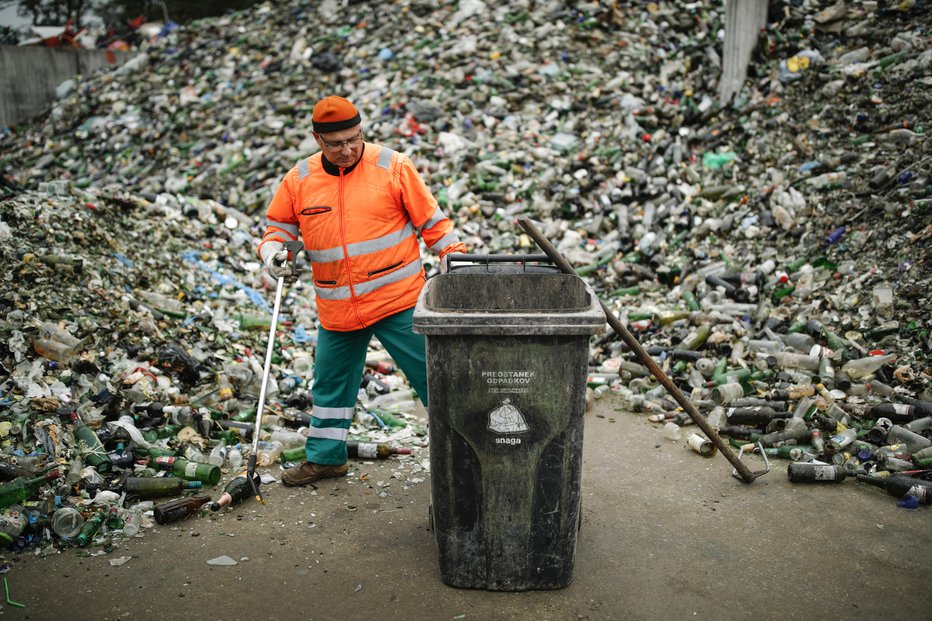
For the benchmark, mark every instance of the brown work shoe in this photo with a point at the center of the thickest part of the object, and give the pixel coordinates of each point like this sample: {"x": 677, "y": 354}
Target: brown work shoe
{"x": 309, "y": 472}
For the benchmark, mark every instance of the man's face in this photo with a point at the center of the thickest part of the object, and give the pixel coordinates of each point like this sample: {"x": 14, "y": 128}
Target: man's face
{"x": 344, "y": 147}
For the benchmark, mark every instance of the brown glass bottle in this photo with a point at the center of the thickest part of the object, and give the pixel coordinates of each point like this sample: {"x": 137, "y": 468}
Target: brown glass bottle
{"x": 179, "y": 508}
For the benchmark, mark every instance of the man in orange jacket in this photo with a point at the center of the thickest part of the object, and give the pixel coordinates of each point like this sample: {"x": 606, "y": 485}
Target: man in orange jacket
{"x": 358, "y": 207}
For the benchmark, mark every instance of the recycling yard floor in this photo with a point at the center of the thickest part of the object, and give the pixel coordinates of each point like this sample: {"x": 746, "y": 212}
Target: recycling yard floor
{"x": 666, "y": 534}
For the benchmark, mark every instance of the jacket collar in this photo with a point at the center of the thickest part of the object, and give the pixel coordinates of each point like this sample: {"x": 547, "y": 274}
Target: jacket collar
{"x": 332, "y": 169}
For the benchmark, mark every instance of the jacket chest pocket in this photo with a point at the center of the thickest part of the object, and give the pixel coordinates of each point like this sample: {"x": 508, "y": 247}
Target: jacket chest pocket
{"x": 316, "y": 210}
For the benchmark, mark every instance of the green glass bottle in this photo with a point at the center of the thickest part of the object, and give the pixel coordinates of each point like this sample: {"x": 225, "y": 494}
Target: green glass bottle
{"x": 21, "y": 489}
{"x": 781, "y": 292}
{"x": 388, "y": 418}
{"x": 625, "y": 291}
{"x": 796, "y": 265}
{"x": 90, "y": 528}
{"x": 698, "y": 339}
{"x": 92, "y": 449}
{"x": 293, "y": 454}
{"x": 152, "y": 451}
{"x": 156, "y": 487}
{"x": 691, "y": 302}
{"x": 189, "y": 470}
{"x": 788, "y": 451}
{"x": 237, "y": 490}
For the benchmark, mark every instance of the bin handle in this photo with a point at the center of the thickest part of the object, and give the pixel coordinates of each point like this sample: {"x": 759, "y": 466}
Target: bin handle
{"x": 487, "y": 259}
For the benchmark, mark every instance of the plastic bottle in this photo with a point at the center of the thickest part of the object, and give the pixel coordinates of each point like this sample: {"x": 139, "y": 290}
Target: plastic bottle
{"x": 218, "y": 454}
{"x": 267, "y": 452}
{"x": 672, "y": 431}
{"x": 235, "y": 457}
{"x": 391, "y": 399}
{"x": 840, "y": 440}
{"x": 289, "y": 383}
{"x": 288, "y": 439}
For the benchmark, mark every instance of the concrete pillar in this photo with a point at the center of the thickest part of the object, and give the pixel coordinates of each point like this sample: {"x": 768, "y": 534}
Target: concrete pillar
{"x": 743, "y": 22}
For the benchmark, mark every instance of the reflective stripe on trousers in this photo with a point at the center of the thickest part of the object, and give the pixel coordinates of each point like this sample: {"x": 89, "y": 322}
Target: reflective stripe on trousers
{"x": 338, "y": 369}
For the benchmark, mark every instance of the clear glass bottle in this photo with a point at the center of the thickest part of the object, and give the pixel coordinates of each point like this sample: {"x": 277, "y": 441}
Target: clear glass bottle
{"x": 859, "y": 368}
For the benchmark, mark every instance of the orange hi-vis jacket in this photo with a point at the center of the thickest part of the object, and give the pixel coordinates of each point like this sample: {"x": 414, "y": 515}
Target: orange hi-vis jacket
{"x": 359, "y": 228}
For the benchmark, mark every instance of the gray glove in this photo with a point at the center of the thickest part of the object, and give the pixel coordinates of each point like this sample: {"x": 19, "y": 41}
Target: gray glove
{"x": 275, "y": 258}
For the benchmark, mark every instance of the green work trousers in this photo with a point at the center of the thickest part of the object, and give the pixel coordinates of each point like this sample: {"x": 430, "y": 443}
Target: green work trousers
{"x": 338, "y": 369}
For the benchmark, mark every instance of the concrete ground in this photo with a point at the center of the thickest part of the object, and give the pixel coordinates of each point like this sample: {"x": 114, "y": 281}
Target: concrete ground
{"x": 666, "y": 534}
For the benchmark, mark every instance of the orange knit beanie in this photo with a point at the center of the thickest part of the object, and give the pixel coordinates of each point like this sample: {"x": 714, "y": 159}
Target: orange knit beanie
{"x": 331, "y": 114}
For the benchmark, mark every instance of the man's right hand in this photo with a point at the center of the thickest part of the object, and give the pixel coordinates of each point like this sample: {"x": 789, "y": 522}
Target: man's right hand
{"x": 275, "y": 258}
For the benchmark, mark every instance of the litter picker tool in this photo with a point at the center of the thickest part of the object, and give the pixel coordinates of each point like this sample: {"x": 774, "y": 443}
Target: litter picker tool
{"x": 294, "y": 248}
{"x": 740, "y": 471}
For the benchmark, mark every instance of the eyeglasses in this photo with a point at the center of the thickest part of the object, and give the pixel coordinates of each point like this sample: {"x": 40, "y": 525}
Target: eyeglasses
{"x": 338, "y": 146}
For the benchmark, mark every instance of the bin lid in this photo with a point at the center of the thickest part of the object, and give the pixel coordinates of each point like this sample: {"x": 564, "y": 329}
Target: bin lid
{"x": 507, "y": 302}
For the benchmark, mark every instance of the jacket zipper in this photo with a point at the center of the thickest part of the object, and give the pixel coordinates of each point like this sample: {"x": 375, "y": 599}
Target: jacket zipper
{"x": 346, "y": 259}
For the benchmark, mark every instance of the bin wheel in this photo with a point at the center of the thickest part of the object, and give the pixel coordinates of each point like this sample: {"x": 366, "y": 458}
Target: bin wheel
{"x": 579, "y": 518}
{"x": 430, "y": 517}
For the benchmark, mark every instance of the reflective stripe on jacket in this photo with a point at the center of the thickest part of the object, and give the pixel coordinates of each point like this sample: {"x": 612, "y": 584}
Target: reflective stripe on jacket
{"x": 359, "y": 227}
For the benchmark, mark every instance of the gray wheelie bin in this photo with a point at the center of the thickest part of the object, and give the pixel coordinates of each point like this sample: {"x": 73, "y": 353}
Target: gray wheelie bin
{"x": 507, "y": 355}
